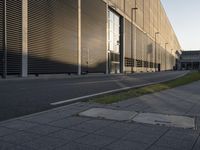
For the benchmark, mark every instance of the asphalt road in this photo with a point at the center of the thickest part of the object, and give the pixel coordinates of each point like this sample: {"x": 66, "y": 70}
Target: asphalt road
{"x": 22, "y": 97}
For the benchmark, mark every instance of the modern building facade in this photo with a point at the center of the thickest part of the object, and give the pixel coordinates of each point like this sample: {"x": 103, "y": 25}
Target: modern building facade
{"x": 85, "y": 36}
{"x": 189, "y": 60}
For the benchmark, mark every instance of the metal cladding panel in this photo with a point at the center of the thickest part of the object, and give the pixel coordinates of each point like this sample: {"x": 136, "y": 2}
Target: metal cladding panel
{"x": 150, "y": 50}
{"x": 140, "y": 13}
{"x": 52, "y": 36}
{"x": 139, "y": 44}
{"x": 158, "y": 53}
{"x": 118, "y": 3}
{"x": 1, "y": 36}
{"x": 14, "y": 36}
{"x": 145, "y": 47}
{"x": 129, "y": 4}
{"x": 128, "y": 58}
{"x": 127, "y": 39}
{"x": 147, "y": 15}
{"x": 93, "y": 36}
{"x": 163, "y": 59}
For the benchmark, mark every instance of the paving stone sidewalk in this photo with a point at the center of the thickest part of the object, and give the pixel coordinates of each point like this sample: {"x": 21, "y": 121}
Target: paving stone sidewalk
{"x": 63, "y": 129}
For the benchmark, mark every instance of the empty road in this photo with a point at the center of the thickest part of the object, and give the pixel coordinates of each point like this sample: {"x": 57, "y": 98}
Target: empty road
{"x": 22, "y": 97}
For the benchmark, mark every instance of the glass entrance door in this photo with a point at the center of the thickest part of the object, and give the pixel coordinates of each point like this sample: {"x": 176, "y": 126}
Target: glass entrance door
{"x": 113, "y": 42}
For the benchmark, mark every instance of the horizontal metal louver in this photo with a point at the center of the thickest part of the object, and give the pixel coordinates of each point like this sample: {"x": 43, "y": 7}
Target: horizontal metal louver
{"x": 14, "y": 36}
{"x": 127, "y": 39}
{"x": 93, "y": 49}
{"x": 139, "y": 42}
{"x": 52, "y": 36}
{"x": 1, "y": 36}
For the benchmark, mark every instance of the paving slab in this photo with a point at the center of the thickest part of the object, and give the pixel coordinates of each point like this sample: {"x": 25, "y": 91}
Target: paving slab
{"x": 92, "y": 125}
{"x": 18, "y": 124}
{"x": 6, "y": 131}
{"x": 119, "y": 115}
{"x": 167, "y": 120}
{"x": 95, "y": 140}
{"x": 197, "y": 144}
{"x": 175, "y": 143}
{"x": 20, "y": 138}
{"x": 127, "y": 145}
{"x": 67, "y": 134}
{"x": 141, "y": 137}
{"x": 68, "y": 122}
{"x": 77, "y": 146}
{"x": 42, "y": 129}
{"x": 160, "y": 148}
{"x": 112, "y": 132}
{"x": 45, "y": 143}
{"x": 8, "y": 146}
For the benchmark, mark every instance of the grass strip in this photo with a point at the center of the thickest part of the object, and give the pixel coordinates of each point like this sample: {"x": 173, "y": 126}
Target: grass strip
{"x": 120, "y": 96}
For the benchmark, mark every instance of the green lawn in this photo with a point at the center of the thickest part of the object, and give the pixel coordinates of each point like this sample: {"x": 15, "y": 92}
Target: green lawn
{"x": 120, "y": 96}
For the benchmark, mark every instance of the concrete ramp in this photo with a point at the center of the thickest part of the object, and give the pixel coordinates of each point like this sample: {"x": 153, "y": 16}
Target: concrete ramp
{"x": 167, "y": 120}
{"x": 111, "y": 114}
{"x": 148, "y": 118}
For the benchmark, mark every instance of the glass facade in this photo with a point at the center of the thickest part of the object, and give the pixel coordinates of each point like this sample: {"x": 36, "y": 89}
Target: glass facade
{"x": 113, "y": 42}
{"x": 114, "y": 31}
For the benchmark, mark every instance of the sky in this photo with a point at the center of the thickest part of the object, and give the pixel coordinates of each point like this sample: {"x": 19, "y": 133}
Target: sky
{"x": 184, "y": 16}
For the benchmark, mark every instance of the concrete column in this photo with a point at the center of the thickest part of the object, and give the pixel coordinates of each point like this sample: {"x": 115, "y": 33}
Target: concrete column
{"x": 79, "y": 37}
{"x": 107, "y": 68}
{"x": 24, "y": 38}
{"x": 124, "y": 47}
{"x": 143, "y": 58}
{"x": 135, "y": 50}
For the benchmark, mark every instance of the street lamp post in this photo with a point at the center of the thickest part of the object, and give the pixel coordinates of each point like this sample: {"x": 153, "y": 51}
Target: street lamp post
{"x": 166, "y": 56}
{"x": 132, "y": 9}
{"x": 156, "y": 49}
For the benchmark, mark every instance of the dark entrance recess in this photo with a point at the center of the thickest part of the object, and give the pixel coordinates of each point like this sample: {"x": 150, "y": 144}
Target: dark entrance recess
{"x": 159, "y": 67}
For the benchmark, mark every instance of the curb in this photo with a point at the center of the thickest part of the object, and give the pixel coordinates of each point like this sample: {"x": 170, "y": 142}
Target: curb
{"x": 82, "y": 100}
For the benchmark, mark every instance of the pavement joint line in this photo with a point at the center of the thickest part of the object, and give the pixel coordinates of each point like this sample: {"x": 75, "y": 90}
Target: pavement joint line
{"x": 195, "y": 142}
{"x": 131, "y": 119}
{"x": 61, "y": 107}
{"x": 157, "y": 139}
{"x": 77, "y": 99}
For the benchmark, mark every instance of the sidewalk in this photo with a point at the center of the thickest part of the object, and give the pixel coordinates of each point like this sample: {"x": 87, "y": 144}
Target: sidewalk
{"x": 63, "y": 129}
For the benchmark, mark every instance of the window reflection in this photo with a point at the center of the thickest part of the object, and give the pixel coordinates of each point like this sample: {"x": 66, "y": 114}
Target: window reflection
{"x": 113, "y": 32}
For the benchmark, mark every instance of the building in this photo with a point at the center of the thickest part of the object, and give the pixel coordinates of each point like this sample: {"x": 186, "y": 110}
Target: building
{"x": 189, "y": 60}
{"x": 85, "y": 36}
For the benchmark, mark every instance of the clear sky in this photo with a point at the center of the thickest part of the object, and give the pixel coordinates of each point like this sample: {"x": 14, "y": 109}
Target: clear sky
{"x": 184, "y": 16}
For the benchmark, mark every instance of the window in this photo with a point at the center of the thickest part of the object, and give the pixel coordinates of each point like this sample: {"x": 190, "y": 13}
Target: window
{"x": 113, "y": 32}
